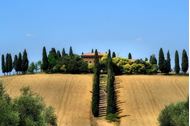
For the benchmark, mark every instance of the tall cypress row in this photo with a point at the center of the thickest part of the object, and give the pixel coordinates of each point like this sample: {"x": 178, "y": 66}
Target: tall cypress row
{"x": 45, "y": 62}
{"x": 25, "y": 62}
{"x": 96, "y": 86}
{"x": 111, "y": 94}
{"x": 113, "y": 55}
{"x": 177, "y": 67}
{"x": 58, "y": 54}
{"x": 162, "y": 62}
{"x": 3, "y": 64}
{"x": 184, "y": 64}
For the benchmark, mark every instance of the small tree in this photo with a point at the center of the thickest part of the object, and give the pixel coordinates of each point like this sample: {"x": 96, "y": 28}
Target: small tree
{"x": 63, "y": 52}
{"x": 113, "y": 55}
{"x": 184, "y": 64}
{"x": 96, "y": 86}
{"x": 15, "y": 63}
{"x": 3, "y": 64}
{"x": 71, "y": 51}
{"x": 92, "y": 51}
{"x": 31, "y": 68}
{"x": 129, "y": 56}
{"x": 177, "y": 67}
{"x": 45, "y": 63}
{"x": 161, "y": 63}
{"x": 153, "y": 59}
{"x": 25, "y": 62}
{"x": 58, "y": 54}
{"x": 19, "y": 62}
{"x": 168, "y": 63}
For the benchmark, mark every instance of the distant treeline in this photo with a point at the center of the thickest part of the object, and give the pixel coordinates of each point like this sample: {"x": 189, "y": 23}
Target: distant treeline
{"x": 61, "y": 62}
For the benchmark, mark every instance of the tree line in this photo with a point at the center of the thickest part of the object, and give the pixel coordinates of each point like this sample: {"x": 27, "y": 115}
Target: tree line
{"x": 165, "y": 64}
{"x": 61, "y": 62}
{"x": 111, "y": 110}
{"x": 19, "y": 64}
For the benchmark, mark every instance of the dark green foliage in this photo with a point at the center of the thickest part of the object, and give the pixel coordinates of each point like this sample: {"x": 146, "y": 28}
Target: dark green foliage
{"x": 8, "y": 115}
{"x": 70, "y": 64}
{"x": 45, "y": 63}
{"x": 153, "y": 59}
{"x": 111, "y": 94}
{"x": 177, "y": 67}
{"x": 96, "y": 86}
{"x": 31, "y": 68}
{"x": 112, "y": 117}
{"x": 15, "y": 63}
{"x": 184, "y": 64}
{"x": 146, "y": 59}
{"x": 129, "y": 56}
{"x": 26, "y": 110}
{"x": 63, "y": 52}
{"x": 3, "y": 64}
{"x": 113, "y": 55}
{"x": 71, "y": 51}
{"x": 168, "y": 63}
{"x": 92, "y": 51}
{"x": 58, "y": 54}
{"x": 25, "y": 62}
{"x": 162, "y": 62}
{"x": 175, "y": 115}
{"x": 8, "y": 64}
{"x": 52, "y": 58}
{"x": 19, "y": 62}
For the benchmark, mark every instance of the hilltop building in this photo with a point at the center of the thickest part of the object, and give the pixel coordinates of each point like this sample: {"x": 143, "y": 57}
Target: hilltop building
{"x": 89, "y": 57}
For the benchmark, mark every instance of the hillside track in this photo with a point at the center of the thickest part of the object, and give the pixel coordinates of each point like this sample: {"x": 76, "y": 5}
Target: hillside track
{"x": 145, "y": 96}
{"x": 69, "y": 94}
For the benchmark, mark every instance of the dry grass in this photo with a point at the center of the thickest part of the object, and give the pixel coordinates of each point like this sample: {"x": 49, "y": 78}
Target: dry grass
{"x": 68, "y": 94}
{"x": 143, "y": 97}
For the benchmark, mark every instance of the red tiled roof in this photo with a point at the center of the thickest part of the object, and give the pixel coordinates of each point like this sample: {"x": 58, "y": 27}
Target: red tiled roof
{"x": 91, "y": 54}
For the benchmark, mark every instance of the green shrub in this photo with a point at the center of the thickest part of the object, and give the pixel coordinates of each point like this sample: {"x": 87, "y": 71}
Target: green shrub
{"x": 175, "y": 115}
{"x": 112, "y": 117}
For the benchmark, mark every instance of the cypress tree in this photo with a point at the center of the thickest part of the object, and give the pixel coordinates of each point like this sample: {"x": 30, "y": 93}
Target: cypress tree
{"x": 15, "y": 63}
{"x": 162, "y": 62}
{"x": 63, "y": 52}
{"x": 111, "y": 95}
{"x": 7, "y": 64}
{"x": 96, "y": 86}
{"x": 168, "y": 63}
{"x": 70, "y": 51}
{"x": 92, "y": 51}
{"x": 58, "y": 54}
{"x": 45, "y": 62}
{"x": 52, "y": 58}
{"x": 10, "y": 63}
{"x": 19, "y": 62}
{"x": 153, "y": 59}
{"x": 3, "y": 64}
{"x": 146, "y": 59}
{"x": 129, "y": 56}
{"x": 24, "y": 62}
{"x": 113, "y": 55}
{"x": 177, "y": 67}
{"x": 184, "y": 64}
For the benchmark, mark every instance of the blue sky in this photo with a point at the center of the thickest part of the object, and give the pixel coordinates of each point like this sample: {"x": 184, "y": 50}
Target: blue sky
{"x": 137, "y": 26}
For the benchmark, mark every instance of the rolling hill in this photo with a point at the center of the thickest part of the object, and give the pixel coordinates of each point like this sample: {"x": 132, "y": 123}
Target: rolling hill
{"x": 141, "y": 97}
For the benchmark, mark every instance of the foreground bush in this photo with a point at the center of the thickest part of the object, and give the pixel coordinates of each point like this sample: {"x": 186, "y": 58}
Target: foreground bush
{"x": 26, "y": 110}
{"x": 175, "y": 115}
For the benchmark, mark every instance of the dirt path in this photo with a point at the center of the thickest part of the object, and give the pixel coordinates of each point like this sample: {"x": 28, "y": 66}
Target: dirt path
{"x": 144, "y": 96}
